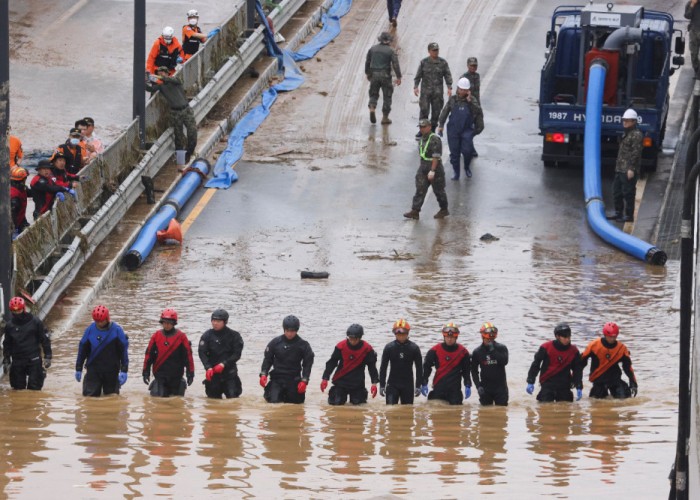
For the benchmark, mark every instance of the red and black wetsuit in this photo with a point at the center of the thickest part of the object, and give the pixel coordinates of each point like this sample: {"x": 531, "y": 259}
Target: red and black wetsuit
{"x": 18, "y": 204}
{"x": 63, "y": 178}
{"x": 605, "y": 368}
{"x": 560, "y": 369}
{"x": 349, "y": 364}
{"x": 43, "y": 192}
{"x": 452, "y": 365}
{"x": 401, "y": 384}
{"x": 170, "y": 354}
{"x": 491, "y": 360}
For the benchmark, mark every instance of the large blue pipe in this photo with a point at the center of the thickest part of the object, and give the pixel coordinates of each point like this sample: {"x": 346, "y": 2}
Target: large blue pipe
{"x": 591, "y": 176}
{"x": 170, "y": 208}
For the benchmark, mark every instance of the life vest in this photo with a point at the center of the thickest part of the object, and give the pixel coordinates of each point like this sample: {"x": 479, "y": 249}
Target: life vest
{"x": 19, "y": 194}
{"x": 352, "y": 358}
{"x": 558, "y": 360}
{"x": 607, "y": 357}
{"x": 166, "y": 345}
{"x": 74, "y": 157}
{"x": 42, "y": 199}
{"x": 165, "y": 57}
{"x": 190, "y": 45}
{"x": 447, "y": 361}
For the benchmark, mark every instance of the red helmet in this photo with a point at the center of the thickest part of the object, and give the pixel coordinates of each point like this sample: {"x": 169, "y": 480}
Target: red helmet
{"x": 100, "y": 313}
{"x": 611, "y": 329}
{"x": 169, "y": 315}
{"x": 488, "y": 330}
{"x": 17, "y": 304}
{"x": 450, "y": 329}
{"x": 401, "y": 326}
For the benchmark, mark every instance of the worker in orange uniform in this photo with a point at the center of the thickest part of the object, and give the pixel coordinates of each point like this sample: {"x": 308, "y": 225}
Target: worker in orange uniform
{"x": 18, "y": 199}
{"x": 166, "y": 51}
{"x": 192, "y": 35}
{"x": 15, "y": 145}
{"x": 606, "y": 354}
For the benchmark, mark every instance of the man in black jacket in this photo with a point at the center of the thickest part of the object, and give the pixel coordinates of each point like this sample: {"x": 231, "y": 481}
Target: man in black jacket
{"x": 403, "y": 355}
{"x": 290, "y": 357}
{"x": 25, "y": 338}
{"x": 490, "y": 358}
{"x": 220, "y": 349}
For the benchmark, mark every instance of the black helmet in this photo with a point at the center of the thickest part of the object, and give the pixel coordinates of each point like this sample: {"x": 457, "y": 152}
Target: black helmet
{"x": 356, "y": 331}
{"x": 562, "y": 329}
{"x": 220, "y": 314}
{"x": 291, "y": 322}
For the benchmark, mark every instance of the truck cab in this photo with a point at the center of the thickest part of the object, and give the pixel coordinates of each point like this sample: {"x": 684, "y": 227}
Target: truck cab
{"x": 637, "y": 77}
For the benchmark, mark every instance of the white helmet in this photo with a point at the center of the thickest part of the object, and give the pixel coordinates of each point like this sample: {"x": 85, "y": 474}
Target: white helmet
{"x": 464, "y": 84}
{"x": 192, "y": 13}
{"x": 168, "y": 32}
{"x": 630, "y": 114}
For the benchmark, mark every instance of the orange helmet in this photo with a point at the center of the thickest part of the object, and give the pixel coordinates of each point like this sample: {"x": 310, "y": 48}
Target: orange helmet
{"x": 450, "y": 329}
{"x": 401, "y": 326}
{"x": 488, "y": 330}
{"x": 18, "y": 174}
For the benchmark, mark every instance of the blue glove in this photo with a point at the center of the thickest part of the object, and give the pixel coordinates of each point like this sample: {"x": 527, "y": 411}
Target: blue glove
{"x": 179, "y": 60}
{"x": 122, "y": 378}
{"x": 213, "y": 32}
{"x": 73, "y": 193}
{"x": 467, "y": 392}
{"x": 78, "y": 376}
{"x": 60, "y": 197}
{"x": 15, "y": 233}
{"x": 424, "y": 390}
{"x": 579, "y": 394}
{"x": 530, "y": 388}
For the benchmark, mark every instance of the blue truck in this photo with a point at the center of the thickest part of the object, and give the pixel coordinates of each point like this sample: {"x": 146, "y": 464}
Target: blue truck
{"x": 637, "y": 77}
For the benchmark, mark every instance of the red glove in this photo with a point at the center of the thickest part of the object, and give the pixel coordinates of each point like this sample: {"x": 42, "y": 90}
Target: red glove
{"x": 209, "y": 374}
{"x": 373, "y": 390}
{"x": 301, "y": 388}
{"x": 263, "y": 381}
{"x": 219, "y": 368}
{"x": 324, "y": 384}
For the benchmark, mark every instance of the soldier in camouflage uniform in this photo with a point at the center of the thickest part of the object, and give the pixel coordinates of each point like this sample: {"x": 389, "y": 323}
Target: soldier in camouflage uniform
{"x": 475, "y": 79}
{"x": 180, "y": 112}
{"x": 629, "y": 159}
{"x": 466, "y": 121}
{"x": 430, "y": 172}
{"x": 380, "y": 59}
{"x": 431, "y": 72}
{"x": 692, "y": 12}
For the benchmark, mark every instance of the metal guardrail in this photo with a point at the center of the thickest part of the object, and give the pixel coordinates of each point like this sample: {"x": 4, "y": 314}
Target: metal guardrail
{"x": 51, "y": 251}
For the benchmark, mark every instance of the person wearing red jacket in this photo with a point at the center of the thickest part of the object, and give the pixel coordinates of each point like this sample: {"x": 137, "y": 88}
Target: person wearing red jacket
{"x": 169, "y": 354}
{"x": 349, "y": 359}
{"x": 18, "y": 199}
{"x": 606, "y": 355}
{"x": 61, "y": 176}
{"x": 166, "y": 51}
{"x": 452, "y": 365}
{"x": 559, "y": 364}
{"x": 44, "y": 189}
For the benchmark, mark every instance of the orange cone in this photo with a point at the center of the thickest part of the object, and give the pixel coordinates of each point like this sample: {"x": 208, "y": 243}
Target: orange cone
{"x": 174, "y": 232}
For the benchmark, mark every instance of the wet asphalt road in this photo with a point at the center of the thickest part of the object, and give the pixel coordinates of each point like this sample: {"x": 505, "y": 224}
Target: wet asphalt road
{"x": 322, "y": 189}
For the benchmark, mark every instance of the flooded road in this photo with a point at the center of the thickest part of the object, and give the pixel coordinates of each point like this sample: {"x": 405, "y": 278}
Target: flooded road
{"x": 321, "y": 189}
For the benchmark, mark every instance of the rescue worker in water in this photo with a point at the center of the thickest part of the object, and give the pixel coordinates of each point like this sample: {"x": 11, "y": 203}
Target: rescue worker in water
{"x": 490, "y": 358}
{"x": 402, "y": 355}
{"x": 559, "y": 364}
{"x": 220, "y": 348}
{"x": 169, "y": 352}
{"x": 349, "y": 359}
{"x": 606, "y": 355}
{"x": 452, "y": 362}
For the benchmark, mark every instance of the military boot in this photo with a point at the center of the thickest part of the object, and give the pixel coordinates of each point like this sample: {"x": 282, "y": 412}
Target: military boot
{"x": 385, "y": 119}
{"x": 441, "y": 214}
{"x": 413, "y": 214}
{"x": 372, "y": 116}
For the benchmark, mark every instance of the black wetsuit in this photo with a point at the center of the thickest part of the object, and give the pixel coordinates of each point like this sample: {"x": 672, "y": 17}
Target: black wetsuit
{"x": 225, "y": 346}
{"x": 291, "y": 362}
{"x": 492, "y": 360}
{"x": 25, "y": 336}
{"x": 401, "y": 384}
{"x": 451, "y": 367}
{"x": 349, "y": 363}
{"x": 561, "y": 369}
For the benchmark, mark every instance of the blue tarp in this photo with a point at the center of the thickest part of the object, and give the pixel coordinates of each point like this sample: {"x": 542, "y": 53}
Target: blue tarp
{"x": 224, "y": 174}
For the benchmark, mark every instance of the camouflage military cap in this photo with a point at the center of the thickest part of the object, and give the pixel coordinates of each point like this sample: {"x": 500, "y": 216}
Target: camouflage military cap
{"x": 472, "y": 61}
{"x": 433, "y": 46}
{"x": 424, "y": 123}
{"x": 385, "y": 37}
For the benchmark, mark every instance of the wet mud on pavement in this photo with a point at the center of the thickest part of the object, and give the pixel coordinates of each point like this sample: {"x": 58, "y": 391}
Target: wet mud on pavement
{"x": 321, "y": 189}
